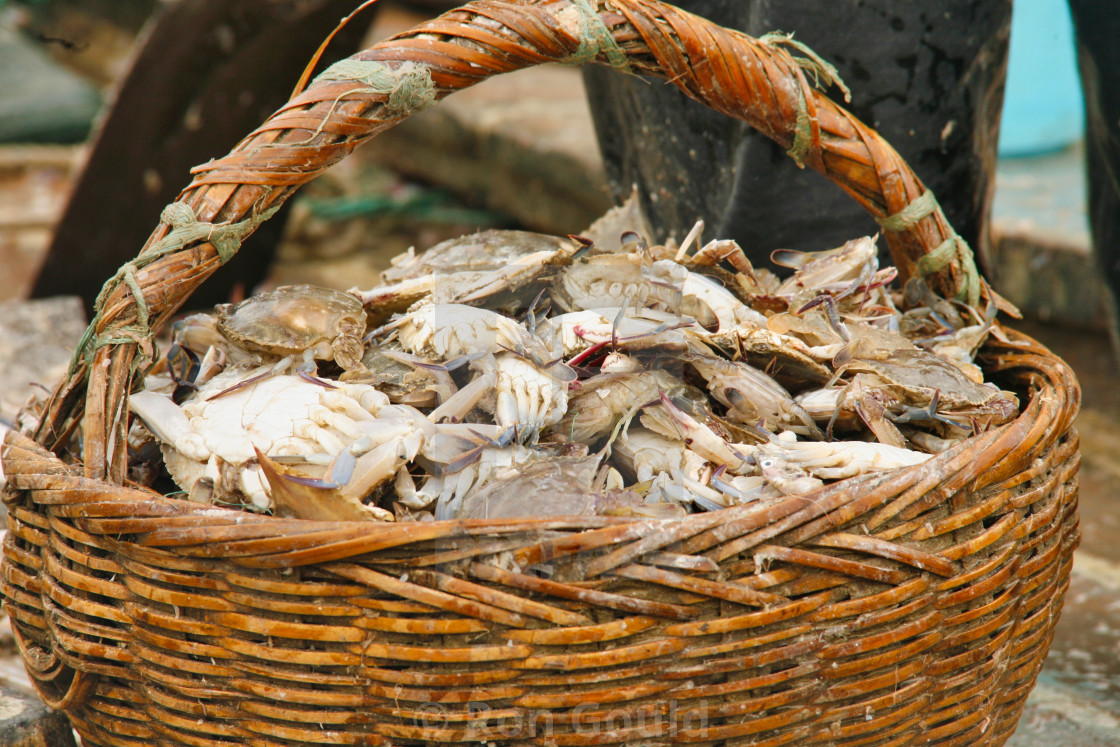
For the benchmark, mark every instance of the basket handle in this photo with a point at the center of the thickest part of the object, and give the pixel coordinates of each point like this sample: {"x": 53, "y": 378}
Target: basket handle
{"x": 756, "y": 80}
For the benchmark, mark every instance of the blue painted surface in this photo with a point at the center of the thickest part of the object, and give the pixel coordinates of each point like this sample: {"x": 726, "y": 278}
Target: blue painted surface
{"x": 1043, "y": 109}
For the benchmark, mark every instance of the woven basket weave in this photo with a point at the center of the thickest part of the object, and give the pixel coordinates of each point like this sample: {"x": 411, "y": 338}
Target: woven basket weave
{"x": 908, "y": 607}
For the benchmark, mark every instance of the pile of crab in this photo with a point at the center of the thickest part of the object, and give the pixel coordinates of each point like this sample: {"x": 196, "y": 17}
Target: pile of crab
{"x": 513, "y": 374}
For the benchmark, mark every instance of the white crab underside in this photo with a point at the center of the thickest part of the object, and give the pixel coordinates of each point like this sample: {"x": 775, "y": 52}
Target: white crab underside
{"x": 279, "y": 415}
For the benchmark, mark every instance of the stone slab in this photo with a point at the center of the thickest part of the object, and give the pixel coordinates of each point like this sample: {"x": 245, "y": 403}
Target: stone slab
{"x": 37, "y": 340}
{"x": 1041, "y": 246}
{"x": 26, "y": 722}
{"x": 1044, "y": 197}
{"x": 1048, "y": 280}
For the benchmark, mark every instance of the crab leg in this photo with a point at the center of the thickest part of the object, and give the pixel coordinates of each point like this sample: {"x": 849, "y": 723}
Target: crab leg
{"x": 169, "y": 423}
{"x": 403, "y": 293}
{"x": 525, "y": 267}
{"x": 703, "y": 440}
{"x": 460, "y": 403}
{"x": 717, "y": 251}
{"x": 693, "y": 235}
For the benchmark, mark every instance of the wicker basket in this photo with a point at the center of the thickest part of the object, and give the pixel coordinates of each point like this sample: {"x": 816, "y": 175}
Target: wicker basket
{"x": 909, "y": 607}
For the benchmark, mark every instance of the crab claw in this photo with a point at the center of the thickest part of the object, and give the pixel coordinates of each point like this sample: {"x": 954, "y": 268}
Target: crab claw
{"x": 381, "y": 464}
{"x": 703, "y": 440}
{"x": 724, "y": 250}
{"x": 460, "y": 403}
{"x": 169, "y": 423}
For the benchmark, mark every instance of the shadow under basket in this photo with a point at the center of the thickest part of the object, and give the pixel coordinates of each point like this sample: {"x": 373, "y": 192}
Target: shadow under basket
{"x": 914, "y": 606}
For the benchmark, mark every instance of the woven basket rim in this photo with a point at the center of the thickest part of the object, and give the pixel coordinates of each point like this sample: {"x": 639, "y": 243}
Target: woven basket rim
{"x": 809, "y": 508}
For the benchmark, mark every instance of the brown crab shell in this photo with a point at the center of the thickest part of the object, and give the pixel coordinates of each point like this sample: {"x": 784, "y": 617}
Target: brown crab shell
{"x": 291, "y": 319}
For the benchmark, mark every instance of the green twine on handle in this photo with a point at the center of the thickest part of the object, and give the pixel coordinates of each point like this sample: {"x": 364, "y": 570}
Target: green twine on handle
{"x": 186, "y": 229}
{"x": 594, "y": 39}
{"x": 802, "y": 133}
{"x": 408, "y": 87}
{"x": 823, "y": 74}
{"x": 953, "y": 248}
{"x": 918, "y": 210}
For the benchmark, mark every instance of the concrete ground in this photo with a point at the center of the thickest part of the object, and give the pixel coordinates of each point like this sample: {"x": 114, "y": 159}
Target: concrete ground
{"x": 536, "y": 126}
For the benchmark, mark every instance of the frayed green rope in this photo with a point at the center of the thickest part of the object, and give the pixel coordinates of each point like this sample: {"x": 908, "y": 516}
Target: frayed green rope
{"x": 953, "y": 248}
{"x": 802, "y": 133}
{"x": 186, "y": 229}
{"x": 823, "y": 74}
{"x": 595, "y": 39}
{"x": 911, "y": 215}
{"x": 408, "y": 87}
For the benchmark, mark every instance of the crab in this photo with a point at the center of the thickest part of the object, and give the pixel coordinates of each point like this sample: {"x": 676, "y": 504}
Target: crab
{"x": 620, "y": 328}
{"x": 475, "y": 253}
{"x": 670, "y": 420}
{"x": 792, "y": 363}
{"x": 905, "y": 387}
{"x": 750, "y": 394}
{"x": 838, "y": 270}
{"x": 617, "y": 280}
{"x": 443, "y": 494}
{"x": 405, "y": 381}
{"x": 643, "y": 454}
{"x": 492, "y": 269}
{"x": 568, "y": 485}
{"x": 211, "y": 443}
{"x": 917, "y": 378}
{"x": 603, "y": 400}
{"x": 450, "y": 330}
{"x": 834, "y": 460}
{"x": 298, "y": 324}
{"x": 529, "y": 379}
